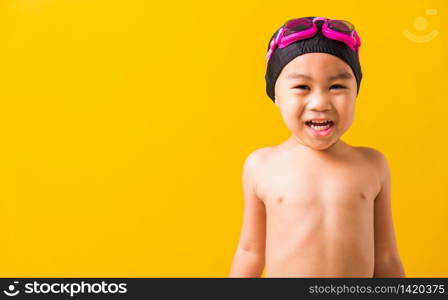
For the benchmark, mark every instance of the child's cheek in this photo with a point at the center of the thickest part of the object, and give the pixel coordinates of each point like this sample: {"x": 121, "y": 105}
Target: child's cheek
{"x": 348, "y": 120}
{"x": 287, "y": 115}
{"x": 295, "y": 117}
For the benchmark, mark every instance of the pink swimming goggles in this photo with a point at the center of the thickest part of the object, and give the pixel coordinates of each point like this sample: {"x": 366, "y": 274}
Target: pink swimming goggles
{"x": 303, "y": 28}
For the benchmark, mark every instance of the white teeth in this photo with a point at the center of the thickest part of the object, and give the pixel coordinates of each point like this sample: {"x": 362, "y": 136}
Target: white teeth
{"x": 320, "y": 121}
{"x": 320, "y": 127}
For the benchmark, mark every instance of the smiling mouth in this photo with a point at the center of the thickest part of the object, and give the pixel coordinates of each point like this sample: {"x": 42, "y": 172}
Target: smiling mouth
{"x": 319, "y": 125}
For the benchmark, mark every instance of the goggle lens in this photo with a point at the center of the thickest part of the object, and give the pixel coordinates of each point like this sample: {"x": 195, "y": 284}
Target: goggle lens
{"x": 341, "y": 26}
{"x": 297, "y": 25}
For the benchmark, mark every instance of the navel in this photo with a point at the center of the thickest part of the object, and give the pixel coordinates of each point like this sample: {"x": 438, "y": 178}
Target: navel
{"x": 363, "y": 196}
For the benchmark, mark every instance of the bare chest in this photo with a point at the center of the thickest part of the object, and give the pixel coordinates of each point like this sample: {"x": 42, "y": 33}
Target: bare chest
{"x": 324, "y": 186}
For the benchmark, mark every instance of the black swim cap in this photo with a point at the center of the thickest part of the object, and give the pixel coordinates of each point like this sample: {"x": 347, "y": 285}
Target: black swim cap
{"x": 318, "y": 43}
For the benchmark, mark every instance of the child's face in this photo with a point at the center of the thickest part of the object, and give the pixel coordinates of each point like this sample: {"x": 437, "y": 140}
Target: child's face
{"x": 316, "y": 95}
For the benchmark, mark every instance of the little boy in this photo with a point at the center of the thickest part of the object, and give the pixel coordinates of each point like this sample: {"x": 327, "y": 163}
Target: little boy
{"x": 315, "y": 206}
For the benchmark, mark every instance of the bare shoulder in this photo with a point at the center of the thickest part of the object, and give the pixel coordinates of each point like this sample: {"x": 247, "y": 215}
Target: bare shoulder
{"x": 372, "y": 154}
{"x": 376, "y": 159}
{"x": 256, "y": 162}
{"x": 252, "y": 172}
{"x": 256, "y": 159}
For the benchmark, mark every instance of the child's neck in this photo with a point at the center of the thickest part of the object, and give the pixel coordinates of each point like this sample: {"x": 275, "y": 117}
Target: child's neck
{"x": 338, "y": 147}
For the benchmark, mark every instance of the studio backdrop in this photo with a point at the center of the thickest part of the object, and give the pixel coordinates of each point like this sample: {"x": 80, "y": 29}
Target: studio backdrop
{"x": 125, "y": 126}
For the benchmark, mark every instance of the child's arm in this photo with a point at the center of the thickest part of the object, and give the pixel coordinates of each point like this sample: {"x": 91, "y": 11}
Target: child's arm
{"x": 249, "y": 257}
{"x": 387, "y": 260}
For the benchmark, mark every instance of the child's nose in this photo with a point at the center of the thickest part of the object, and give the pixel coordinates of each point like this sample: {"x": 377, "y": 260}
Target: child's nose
{"x": 319, "y": 102}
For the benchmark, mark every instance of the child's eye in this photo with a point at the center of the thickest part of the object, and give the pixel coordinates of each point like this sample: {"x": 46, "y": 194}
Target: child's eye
{"x": 302, "y": 87}
{"x": 337, "y": 86}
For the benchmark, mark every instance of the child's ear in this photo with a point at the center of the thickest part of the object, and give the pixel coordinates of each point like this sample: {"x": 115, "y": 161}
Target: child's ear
{"x": 275, "y": 101}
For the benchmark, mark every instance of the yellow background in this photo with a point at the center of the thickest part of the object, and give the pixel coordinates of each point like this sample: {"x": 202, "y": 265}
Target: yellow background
{"x": 125, "y": 125}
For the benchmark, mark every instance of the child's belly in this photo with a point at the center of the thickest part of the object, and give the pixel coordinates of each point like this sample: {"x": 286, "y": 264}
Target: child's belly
{"x": 325, "y": 235}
